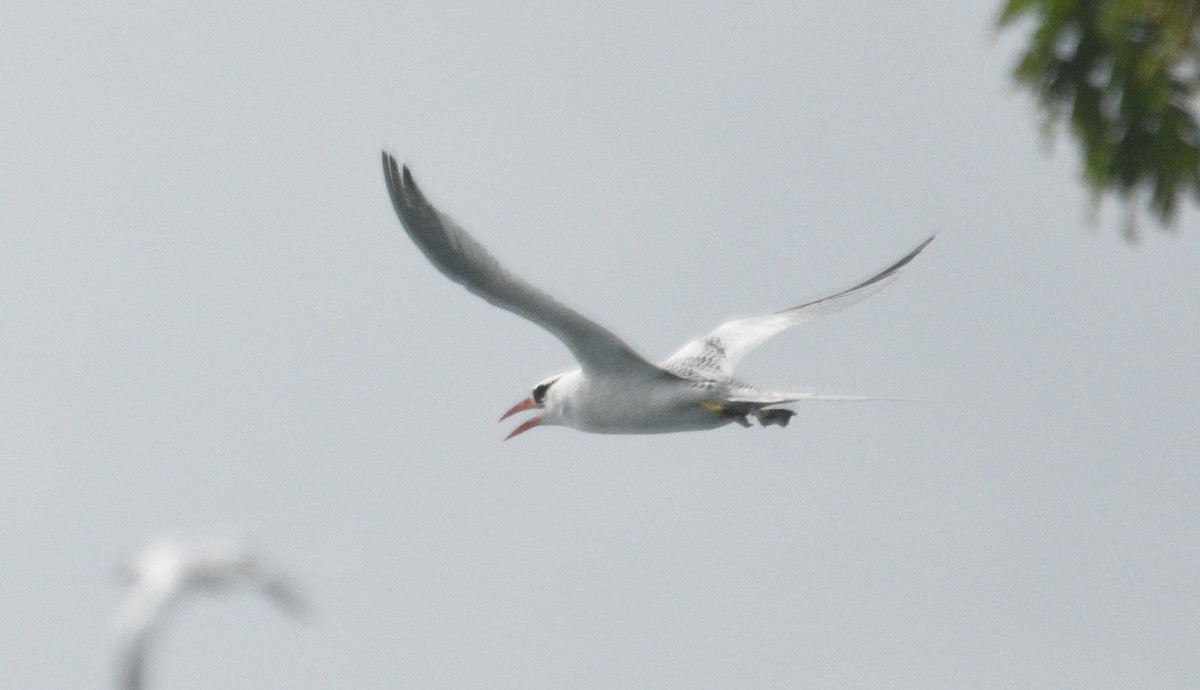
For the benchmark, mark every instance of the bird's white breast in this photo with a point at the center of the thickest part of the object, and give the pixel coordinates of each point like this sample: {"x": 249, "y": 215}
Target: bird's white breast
{"x": 634, "y": 406}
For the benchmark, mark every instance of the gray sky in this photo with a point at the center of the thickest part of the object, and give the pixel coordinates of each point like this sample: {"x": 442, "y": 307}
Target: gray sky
{"x": 212, "y": 317}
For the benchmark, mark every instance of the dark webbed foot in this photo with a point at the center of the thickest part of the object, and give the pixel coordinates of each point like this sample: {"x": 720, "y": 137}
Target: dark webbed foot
{"x": 774, "y": 416}
{"x": 735, "y": 412}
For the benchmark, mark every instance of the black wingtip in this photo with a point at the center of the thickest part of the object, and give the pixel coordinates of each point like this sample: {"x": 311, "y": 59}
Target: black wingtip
{"x": 903, "y": 262}
{"x": 391, "y": 177}
{"x": 389, "y": 167}
{"x": 921, "y": 247}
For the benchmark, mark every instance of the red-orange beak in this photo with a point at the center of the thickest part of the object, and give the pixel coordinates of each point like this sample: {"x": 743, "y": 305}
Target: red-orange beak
{"x": 525, "y": 426}
{"x": 526, "y": 404}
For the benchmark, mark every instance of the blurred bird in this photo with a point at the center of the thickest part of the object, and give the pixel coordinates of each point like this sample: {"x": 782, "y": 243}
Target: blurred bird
{"x": 615, "y": 390}
{"x": 160, "y": 575}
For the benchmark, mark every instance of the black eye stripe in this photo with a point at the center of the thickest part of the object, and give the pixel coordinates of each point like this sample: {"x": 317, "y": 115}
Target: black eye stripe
{"x": 539, "y": 392}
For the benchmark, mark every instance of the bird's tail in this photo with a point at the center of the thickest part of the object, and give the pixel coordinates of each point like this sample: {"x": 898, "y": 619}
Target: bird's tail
{"x": 769, "y": 399}
{"x": 763, "y": 405}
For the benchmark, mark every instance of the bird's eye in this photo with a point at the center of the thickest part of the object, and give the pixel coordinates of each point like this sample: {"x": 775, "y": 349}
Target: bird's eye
{"x": 539, "y": 393}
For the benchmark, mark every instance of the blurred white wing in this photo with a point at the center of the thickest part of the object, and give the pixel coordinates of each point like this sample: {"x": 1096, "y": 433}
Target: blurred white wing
{"x": 463, "y": 260}
{"x": 718, "y": 353}
{"x": 136, "y": 620}
{"x": 166, "y": 571}
{"x": 281, "y": 591}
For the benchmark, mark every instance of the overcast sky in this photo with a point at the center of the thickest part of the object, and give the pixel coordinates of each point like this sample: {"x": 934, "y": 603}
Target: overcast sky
{"x": 211, "y": 318}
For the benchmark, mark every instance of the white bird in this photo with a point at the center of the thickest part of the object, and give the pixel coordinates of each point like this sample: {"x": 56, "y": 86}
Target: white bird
{"x": 163, "y": 572}
{"x": 615, "y": 390}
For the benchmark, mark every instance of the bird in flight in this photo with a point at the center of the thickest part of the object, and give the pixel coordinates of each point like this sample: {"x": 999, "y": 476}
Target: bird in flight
{"x": 615, "y": 390}
{"x": 161, "y": 574}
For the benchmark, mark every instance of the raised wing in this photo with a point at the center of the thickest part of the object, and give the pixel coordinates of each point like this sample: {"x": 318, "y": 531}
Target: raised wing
{"x": 283, "y": 593}
{"x": 463, "y": 260}
{"x": 718, "y": 353}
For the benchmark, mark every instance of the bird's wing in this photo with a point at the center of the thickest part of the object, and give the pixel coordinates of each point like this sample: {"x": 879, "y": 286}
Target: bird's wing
{"x": 233, "y": 561}
{"x": 463, "y": 260}
{"x": 131, "y": 667}
{"x": 717, "y": 353}
{"x": 281, "y": 591}
{"x": 134, "y": 624}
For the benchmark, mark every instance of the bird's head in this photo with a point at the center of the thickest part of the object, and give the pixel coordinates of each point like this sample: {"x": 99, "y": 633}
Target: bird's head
{"x": 549, "y": 396}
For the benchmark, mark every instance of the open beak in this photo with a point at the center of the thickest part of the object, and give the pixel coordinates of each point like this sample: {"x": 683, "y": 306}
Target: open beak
{"x": 526, "y": 404}
{"x": 525, "y": 426}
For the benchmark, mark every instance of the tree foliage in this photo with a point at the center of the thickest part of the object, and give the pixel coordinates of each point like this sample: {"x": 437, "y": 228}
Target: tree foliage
{"x": 1124, "y": 75}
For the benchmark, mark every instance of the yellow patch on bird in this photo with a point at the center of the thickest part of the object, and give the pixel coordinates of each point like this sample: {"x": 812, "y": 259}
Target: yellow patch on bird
{"x": 711, "y": 406}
